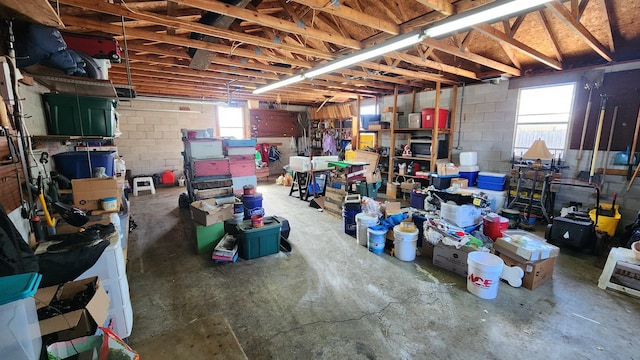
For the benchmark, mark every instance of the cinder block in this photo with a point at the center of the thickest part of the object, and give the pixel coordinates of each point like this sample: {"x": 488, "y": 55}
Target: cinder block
{"x": 486, "y": 107}
{"x": 131, "y": 119}
{"x": 144, "y": 127}
{"x": 137, "y": 134}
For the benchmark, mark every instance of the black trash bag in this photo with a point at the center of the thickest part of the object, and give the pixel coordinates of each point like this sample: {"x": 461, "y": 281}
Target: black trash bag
{"x": 66, "y": 264}
{"x": 15, "y": 255}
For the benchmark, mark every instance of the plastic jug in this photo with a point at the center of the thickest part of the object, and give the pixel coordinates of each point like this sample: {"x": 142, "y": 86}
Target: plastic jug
{"x": 120, "y": 167}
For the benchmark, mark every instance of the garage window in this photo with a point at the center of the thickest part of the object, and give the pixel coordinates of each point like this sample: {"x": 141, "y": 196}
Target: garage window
{"x": 230, "y": 122}
{"x": 544, "y": 113}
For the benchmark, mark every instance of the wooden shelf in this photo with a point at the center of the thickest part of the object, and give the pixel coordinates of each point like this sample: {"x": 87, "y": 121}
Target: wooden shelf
{"x": 413, "y": 158}
{"x": 69, "y": 138}
{"x": 440, "y": 131}
{"x": 411, "y": 176}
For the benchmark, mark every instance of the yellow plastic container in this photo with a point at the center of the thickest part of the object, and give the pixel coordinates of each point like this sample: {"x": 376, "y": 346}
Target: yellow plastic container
{"x": 349, "y": 155}
{"x": 608, "y": 224}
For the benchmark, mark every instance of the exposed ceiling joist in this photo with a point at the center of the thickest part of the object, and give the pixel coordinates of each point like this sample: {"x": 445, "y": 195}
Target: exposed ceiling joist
{"x": 442, "y": 6}
{"x": 565, "y": 15}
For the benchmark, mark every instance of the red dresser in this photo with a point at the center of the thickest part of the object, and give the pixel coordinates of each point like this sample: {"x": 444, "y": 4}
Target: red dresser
{"x": 210, "y": 167}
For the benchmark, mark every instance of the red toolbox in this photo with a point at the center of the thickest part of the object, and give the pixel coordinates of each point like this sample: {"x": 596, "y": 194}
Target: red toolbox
{"x": 210, "y": 167}
{"x": 243, "y": 168}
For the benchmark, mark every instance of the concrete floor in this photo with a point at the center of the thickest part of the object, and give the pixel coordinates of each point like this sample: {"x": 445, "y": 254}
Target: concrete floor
{"x": 332, "y": 299}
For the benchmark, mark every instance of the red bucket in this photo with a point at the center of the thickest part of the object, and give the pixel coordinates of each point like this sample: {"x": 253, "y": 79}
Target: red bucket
{"x": 257, "y": 221}
{"x": 494, "y": 227}
{"x": 249, "y": 190}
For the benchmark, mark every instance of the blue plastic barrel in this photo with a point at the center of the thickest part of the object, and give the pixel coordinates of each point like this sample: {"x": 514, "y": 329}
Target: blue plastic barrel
{"x": 349, "y": 221}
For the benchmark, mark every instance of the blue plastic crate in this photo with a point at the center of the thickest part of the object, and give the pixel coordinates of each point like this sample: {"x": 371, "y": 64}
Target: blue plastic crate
{"x": 241, "y": 142}
{"x": 491, "y": 181}
{"x": 75, "y": 164}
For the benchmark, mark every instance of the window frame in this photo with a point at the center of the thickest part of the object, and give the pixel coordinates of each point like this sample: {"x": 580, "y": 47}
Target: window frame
{"x": 219, "y": 110}
{"x": 568, "y": 123}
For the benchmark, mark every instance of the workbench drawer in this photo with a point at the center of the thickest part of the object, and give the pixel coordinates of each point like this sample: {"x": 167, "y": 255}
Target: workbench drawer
{"x": 243, "y": 168}
{"x": 210, "y": 167}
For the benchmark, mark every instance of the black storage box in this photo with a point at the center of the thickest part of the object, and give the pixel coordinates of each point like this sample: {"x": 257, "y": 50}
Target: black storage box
{"x": 285, "y": 229}
{"x": 576, "y": 232}
{"x": 440, "y": 183}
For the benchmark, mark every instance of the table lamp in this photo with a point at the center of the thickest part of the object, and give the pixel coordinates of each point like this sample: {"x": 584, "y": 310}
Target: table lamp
{"x": 538, "y": 151}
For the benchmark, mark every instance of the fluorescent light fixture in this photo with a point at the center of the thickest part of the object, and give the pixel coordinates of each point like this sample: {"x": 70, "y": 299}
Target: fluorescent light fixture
{"x": 482, "y": 14}
{"x": 279, "y": 84}
{"x": 496, "y": 10}
{"x": 396, "y": 43}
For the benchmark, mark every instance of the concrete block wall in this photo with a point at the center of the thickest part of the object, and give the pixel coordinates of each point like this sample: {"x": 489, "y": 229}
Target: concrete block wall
{"x": 151, "y": 141}
{"x": 485, "y": 123}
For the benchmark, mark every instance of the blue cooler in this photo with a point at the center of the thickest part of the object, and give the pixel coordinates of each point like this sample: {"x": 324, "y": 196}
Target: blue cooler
{"x": 470, "y": 173}
{"x": 491, "y": 181}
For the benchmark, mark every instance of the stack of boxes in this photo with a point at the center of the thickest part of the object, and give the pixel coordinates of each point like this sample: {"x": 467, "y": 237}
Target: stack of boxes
{"x": 206, "y": 168}
{"x": 242, "y": 158}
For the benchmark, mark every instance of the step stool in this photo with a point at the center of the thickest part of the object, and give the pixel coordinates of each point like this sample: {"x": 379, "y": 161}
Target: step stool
{"x": 143, "y": 183}
{"x": 623, "y": 264}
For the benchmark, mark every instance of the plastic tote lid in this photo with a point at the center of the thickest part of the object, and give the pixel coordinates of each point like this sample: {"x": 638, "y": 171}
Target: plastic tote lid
{"x": 18, "y": 287}
{"x": 468, "y": 168}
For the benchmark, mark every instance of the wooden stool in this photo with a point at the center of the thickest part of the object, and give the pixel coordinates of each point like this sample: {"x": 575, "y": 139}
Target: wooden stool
{"x": 143, "y": 183}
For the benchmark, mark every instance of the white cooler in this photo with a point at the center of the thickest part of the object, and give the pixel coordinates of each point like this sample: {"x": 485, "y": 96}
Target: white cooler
{"x": 19, "y": 328}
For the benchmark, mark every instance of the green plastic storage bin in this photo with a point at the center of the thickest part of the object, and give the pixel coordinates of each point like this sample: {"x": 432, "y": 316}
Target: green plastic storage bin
{"x": 207, "y": 237}
{"x": 68, "y": 114}
{"x": 257, "y": 242}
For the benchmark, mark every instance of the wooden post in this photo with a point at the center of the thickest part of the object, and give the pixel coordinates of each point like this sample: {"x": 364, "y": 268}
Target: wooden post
{"x": 435, "y": 132}
{"x": 392, "y": 145}
{"x": 355, "y": 126}
{"x": 413, "y": 100}
{"x": 452, "y": 123}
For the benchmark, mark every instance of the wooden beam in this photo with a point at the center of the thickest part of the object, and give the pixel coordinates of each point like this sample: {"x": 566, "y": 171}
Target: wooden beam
{"x": 516, "y": 24}
{"x": 508, "y": 50}
{"x": 583, "y": 5}
{"x": 118, "y": 10}
{"x": 404, "y": 72}
{"x": 420, "y": 61}
{"x": 442, "y": 6}
{"x": 270, "y": 21}
{"x": 351, "y": 14}
{"x": 172, "y": 70}
{"x": 40, "y": 11}
{"x": 175, "y": 40}
{"x": 491, "y": 32}
{"x": 607, "y": 11}
{"x": 442, "y": 46}
{"x": 551, "y": 36}
{"x": 563, "y": 14}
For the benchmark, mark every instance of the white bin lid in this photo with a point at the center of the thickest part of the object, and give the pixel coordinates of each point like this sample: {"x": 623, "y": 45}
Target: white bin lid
{"x": 468, "y": 168}
{"x": 492, "y": 174}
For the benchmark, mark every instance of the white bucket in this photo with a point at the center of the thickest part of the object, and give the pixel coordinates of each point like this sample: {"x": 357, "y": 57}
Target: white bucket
{"x": 363, "y": 221}
{"x": 239, "y": 217}
{"x": 484, "y": 274}
{"x": 468, "y": 158}
{"x": 405, "y": 244}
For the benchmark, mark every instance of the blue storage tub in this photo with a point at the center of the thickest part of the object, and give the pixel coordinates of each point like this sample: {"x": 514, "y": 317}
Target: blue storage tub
{"x": 491, "y": 181}
{"x": 366, "y": 119}
{"x": 75, "y": 164}
{"x": 417, "y": 200}
{"x": 241, "y": 142}
{"x": 470, "y": 173}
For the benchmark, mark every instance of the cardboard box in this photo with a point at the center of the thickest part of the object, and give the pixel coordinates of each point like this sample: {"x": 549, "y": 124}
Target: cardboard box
{"x": 452, "y": 259}
{"x": 87, "y": 193}
{"x": 461, "y": 182}
{"x": 207, "y": 212}
{"x": 427, "y": 250}
{"x": 391, "y": 208}
{"x": 76, "y": 323}
{"x": 446, "y": 169}
{"x": 526, "y": 245}
{"x": 535, "y": 272}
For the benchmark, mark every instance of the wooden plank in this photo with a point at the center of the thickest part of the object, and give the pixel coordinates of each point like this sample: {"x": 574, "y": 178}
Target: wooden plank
{"x": 465, "y": 54}
{"x": 106, "y": 8}
{"x": 550, "y": 35}
{"x": 423, "y": 61}
{"x": 565, "y": 15}
{"x": 491, "y": 32}
{"x": 351, "y": 14}
{"x": 404, "y": 72}
{"x": 618, "y": 172}
{"x": 270, "y": 21}
{"x": 39, "y": 11}
{"x": 442, "y": 6}
{"x": 175, "y": 40}
{"x": 607, "y": 11}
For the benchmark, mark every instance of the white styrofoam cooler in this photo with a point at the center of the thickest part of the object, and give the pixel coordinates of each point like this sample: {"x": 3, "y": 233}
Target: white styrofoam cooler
{"x": 299, "y": 163}
{"x": 322, "y": 162}
{"x": 468, "y": 158}
{"x": 497, "y": 199}
{"x": 461, "y": 215}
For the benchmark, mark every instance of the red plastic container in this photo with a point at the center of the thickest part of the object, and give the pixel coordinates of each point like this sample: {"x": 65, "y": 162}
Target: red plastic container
{"x": 168, "y": 178}
{"x": 494, "y": 229}
{"x": 428, "y": 118}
